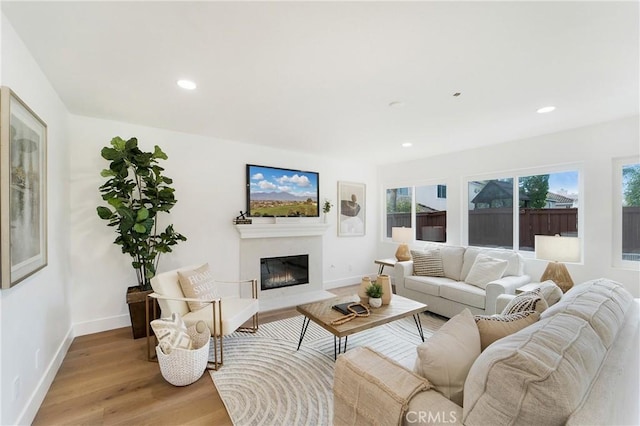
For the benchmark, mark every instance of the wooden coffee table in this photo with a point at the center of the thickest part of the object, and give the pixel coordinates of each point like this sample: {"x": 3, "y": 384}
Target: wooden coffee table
{"x": 322, "y": 314}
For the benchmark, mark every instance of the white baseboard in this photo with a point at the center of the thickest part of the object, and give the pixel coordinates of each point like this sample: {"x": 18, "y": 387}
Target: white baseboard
{"x": 102, "y": 324}
{"x": 27, "y": 415}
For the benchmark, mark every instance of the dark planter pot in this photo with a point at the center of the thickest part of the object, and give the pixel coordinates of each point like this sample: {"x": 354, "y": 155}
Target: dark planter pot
{"x": 136, "y": 299}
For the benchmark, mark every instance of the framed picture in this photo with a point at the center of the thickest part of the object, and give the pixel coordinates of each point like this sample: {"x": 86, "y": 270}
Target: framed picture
{"x": 351, "y": 209}
{"x": 23, "y": 190}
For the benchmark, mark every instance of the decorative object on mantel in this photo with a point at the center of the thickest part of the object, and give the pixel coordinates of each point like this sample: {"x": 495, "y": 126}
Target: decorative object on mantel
{"x": 374, "y": 291}
{"x": 137, "y": 192}
{"x": 242, "y": 219}
{"x": 385, "y": 283}
{"x": 351, "y": 209}
{"x": 326, "y": 208}
{"x": 23, "y": 185}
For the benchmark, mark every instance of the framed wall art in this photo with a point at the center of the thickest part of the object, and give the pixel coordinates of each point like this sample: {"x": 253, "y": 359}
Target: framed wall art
{"x": 351, "y": 209}
{"x": 23, "y": 190}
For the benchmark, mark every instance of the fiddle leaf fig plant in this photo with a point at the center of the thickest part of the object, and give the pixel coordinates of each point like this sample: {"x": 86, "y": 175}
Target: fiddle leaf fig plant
{"x": 136, "y": 191}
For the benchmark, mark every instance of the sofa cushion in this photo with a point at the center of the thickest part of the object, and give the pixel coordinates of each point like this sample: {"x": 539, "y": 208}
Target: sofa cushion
{"x": 539, "y": 375}
{"x": 427, "y": 263}
{"x": 527, "y": 301}
{"x": 494, "y": 327}
{"x": 426, "y": 285}
{"x": 515, "y": 266}
{"x": 452, "y": 258}
{"x": 446, "y": 357}
{"x": 486, "y": 269}
{"x": 166, "y": 284}
{"x": 463, "y": 293}
{"x": 603, "y": 303}
{"x": 235, "y": 312}
{"x": 198, "y": 284}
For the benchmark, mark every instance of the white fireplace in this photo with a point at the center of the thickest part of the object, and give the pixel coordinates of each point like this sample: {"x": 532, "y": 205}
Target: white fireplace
{"x": 259, "y": 241}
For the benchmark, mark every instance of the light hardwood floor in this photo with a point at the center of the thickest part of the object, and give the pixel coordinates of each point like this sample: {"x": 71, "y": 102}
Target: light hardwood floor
{"x": 105, "y": 379}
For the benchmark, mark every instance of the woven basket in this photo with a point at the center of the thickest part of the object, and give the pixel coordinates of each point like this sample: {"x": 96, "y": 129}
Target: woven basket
{"x": 183, "y": 366}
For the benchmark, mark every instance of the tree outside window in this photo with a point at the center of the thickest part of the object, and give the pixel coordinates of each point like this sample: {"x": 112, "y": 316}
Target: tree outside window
{"x": 631, "y": 212}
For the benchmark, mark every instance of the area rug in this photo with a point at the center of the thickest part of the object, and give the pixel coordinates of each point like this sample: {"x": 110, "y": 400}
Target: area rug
{"x": 265, "y": 381}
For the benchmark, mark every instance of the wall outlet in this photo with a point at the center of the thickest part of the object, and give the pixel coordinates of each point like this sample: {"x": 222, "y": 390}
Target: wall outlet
{"x": 16, "y": 388}
{"x": 37, "y": 358}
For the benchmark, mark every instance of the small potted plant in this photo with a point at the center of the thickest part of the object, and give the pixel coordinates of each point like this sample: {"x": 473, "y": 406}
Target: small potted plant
{"x": 374, "y": 291}
{"x": 326, "y": 208}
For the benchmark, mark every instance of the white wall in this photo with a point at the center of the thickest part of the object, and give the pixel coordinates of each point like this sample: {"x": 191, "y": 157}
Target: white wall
{"x": 209, "y": 178}
{"x": 591, "y": 149}
{"x": 35, "y": 315}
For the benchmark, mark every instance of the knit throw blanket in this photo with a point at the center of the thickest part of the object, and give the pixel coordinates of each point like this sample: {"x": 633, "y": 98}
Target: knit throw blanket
{"x": 360, "y": 398}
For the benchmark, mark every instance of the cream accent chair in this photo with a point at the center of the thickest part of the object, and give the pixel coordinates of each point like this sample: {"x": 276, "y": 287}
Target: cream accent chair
{"x": 223, "y": 315}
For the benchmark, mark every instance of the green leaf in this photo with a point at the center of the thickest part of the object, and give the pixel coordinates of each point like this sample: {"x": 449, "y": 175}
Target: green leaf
{"x": 139, "y": 228}
{"x": 118, "y": 143}
{"x": 143, "y": 214}
{"x": 131, "y": 144}
{"x": 104, "y": 212}
{"x": 110, "y": 154}
{"x": 115, "y": 202}
{"x": 107, "y": 173}
{"x": 158, "y": 153}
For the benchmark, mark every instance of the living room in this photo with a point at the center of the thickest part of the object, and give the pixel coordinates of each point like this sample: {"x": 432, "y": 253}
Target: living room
{"x": 81, "y": 290}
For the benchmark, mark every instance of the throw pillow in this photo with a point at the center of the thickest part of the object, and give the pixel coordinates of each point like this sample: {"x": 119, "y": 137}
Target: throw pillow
{"x": 446, "y": 357}
{"x": 494, "y": 327}
{"x": 527, "y": 301}
{"x": 427, "y": 263}
{"x": 171, "y": 333}
{"x": 198, "y": 284}
{"x": 550, "y": 292}
{"x": 486, "y": 269}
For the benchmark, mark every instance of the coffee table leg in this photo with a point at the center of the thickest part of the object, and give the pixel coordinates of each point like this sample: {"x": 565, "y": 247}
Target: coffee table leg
{"x": 416, "y": 318}
{"x": 305, "y": 324}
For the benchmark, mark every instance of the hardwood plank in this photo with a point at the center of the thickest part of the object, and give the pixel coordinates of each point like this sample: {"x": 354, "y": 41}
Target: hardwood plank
{"x": 105, "y": 379}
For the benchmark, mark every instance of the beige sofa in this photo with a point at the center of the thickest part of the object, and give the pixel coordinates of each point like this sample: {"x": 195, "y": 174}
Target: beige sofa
{"x": 450, "y": 294}
{"x": 578, "y": 365}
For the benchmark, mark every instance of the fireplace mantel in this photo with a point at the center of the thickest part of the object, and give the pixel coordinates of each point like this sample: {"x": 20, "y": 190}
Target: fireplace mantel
{"x": 282, "y": 230}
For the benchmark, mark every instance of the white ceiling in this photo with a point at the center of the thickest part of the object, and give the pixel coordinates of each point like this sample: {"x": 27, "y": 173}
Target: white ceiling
{"x": 318, "y": 77}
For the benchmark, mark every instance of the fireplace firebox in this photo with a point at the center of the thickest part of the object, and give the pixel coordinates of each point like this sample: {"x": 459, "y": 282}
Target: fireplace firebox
{"x": 284, "y": 271}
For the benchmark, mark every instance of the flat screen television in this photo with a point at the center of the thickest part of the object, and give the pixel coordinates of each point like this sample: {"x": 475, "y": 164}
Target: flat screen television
{"x": 274, "y": 191}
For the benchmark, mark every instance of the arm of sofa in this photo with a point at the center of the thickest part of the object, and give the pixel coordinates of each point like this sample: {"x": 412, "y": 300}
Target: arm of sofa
{"x": 401, "y": 270}
{"x": 370, "y": 388}
{"x": 502, "y": 301}
{"x": 505, "y": 285}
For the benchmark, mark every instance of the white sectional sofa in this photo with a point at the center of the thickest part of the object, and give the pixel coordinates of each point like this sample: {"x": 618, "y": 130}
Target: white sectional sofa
{"x": 448, "y": 295}
{"x": 577, "y": 365}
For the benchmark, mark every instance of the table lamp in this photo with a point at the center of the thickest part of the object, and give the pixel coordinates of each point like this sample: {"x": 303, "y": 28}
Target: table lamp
{"x": 403, "y": 236}
{"x": 557, "y": 249}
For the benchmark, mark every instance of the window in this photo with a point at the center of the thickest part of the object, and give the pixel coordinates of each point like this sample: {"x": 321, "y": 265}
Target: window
{"x": 398, "y": 208}
{"x": 631, "y": 212}
{"x": 425, "y": 206}
{"x": 491, "y": 213}
{"x": 431, "y": 213}
{"x": 547, "y": 205}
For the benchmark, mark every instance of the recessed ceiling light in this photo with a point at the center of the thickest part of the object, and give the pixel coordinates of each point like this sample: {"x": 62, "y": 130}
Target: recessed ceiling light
{"x": 407, "y": 145}
{"x": 396, "y": 104}
{"x": 546, "y": 109}
{"x": 187, "y": 84}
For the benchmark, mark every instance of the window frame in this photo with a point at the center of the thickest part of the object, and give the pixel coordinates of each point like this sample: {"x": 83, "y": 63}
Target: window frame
{"x": 516, "y": 175}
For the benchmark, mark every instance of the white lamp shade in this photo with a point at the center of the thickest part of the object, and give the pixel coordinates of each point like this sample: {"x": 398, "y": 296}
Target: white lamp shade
{"x": 558, "y": 249}
{"x": 402, "y": 235}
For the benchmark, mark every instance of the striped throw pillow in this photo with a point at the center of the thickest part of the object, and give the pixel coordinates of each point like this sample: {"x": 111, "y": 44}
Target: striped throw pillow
{"x": 527, "y": 301}
{"x": 427, "y": 263}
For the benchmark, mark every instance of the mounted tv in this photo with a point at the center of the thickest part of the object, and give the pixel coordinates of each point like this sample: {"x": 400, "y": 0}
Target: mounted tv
{"x": 277, "y": 192}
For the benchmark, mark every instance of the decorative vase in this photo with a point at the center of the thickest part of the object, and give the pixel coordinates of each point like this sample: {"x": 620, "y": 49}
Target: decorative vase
{"x": 375, "y": 302}
{"x": 387, "y": 291}
{"x": 362, "y": 291}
